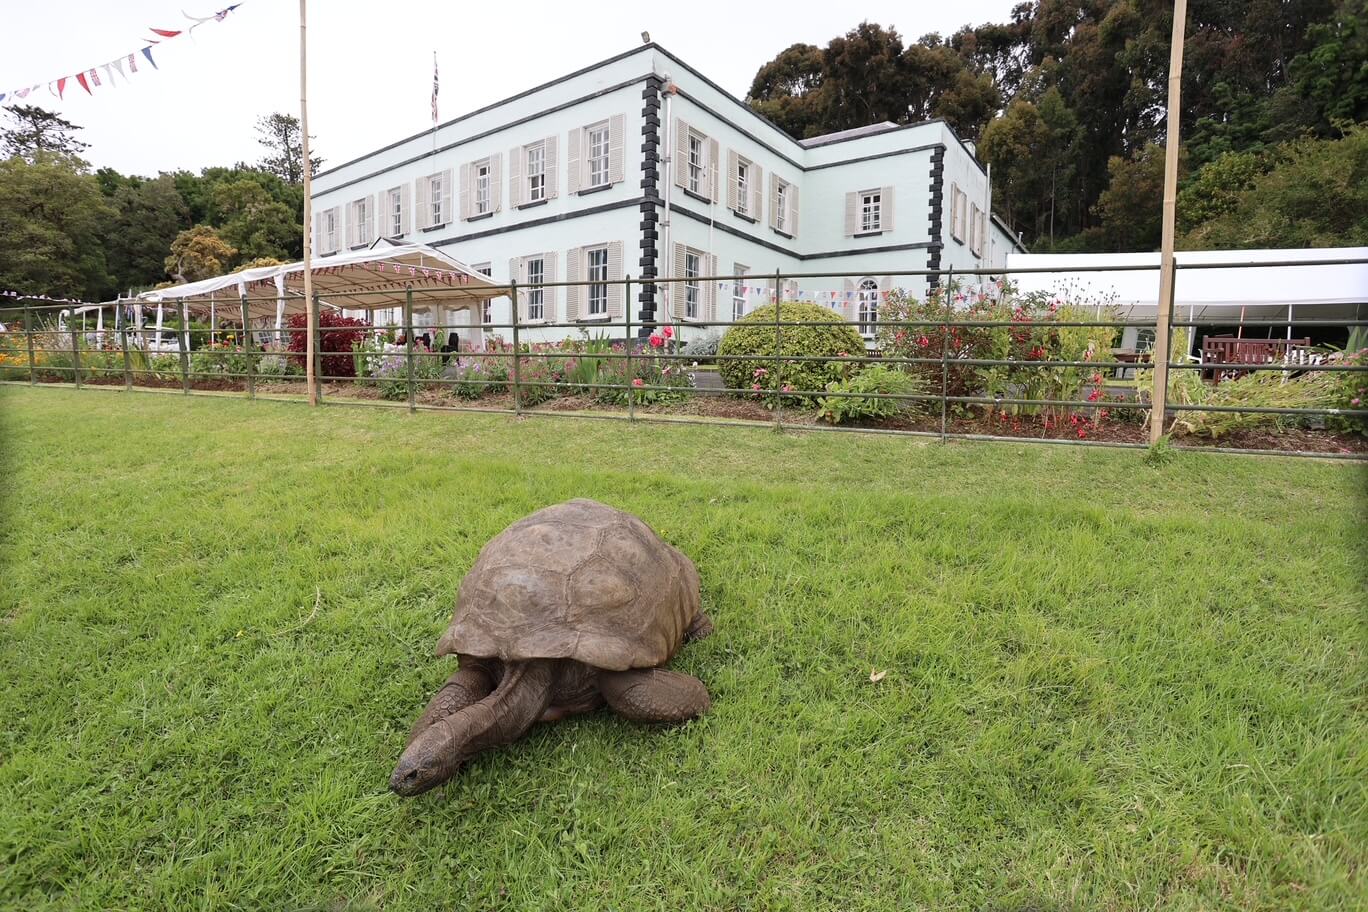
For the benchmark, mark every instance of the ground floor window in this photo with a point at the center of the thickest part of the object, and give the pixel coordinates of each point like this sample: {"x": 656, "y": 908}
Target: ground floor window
{"x": 598, "y": 281}
{"x": 869, "y": 306}
{"x": 536, "y": 295}
{"x": 739, "y": 291}
{"x": 692, "y": 288}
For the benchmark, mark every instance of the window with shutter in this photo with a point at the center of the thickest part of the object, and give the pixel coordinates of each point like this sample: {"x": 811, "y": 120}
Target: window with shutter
{"x": 597, "y": 145}
{"x": 680, "y": 156}
{"x": 483, "y": 177}
{"x": 552, "y": 168}
{"x": 616, "y": 292}
{"x": 887, "y": 208}
{"x": 574, "y": 292}
{"x": 596, "y": 265}
{"x": 738, "y": 290}
{"x": 550, "y": 264}
{"x": 692, "y": 289}
{"x": 616, "y": 127}
{"x": 534, "y": 274}
{"x": 871, "y": 211}
{"x": 696, "y": 164}
{"x": 535, "y": 158}
{"x": 714, "y": 171}
{"x": 868, "y": 300}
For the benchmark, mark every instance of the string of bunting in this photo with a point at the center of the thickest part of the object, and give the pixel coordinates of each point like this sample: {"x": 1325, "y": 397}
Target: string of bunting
{"x": 124, "y": 64}
{"x": 38, "y": 297}
{"x": 447, "y": 276}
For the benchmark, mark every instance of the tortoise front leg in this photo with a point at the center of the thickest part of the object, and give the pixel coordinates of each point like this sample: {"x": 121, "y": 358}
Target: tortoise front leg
{"x": 654, "y": 694}
{"x": 473, "y": 681}
{"x": 700, "y": 627}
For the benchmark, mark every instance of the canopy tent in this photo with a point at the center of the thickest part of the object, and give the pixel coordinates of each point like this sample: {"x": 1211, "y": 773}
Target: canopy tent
{"x": 371, "y": 279}
{"x": 1230, "y": 280}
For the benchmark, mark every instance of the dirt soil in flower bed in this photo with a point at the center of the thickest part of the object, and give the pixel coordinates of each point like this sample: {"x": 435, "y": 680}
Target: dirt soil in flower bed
{"x": 730, "y": 408}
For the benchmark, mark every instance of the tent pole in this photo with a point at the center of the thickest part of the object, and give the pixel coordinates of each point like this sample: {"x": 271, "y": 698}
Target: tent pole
{"x": 1159, "y": 397}
{"x": 306, "y": 171}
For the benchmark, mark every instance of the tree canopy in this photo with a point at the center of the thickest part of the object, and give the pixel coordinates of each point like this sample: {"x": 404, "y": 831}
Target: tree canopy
{"x": 1067, "y": 100}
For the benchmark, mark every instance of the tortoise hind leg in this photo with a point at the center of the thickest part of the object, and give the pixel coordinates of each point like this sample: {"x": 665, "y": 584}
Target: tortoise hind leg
{"x": 473, "y": 681}
{"x": 654, "y": 694}
{"x": 700, "y": 627}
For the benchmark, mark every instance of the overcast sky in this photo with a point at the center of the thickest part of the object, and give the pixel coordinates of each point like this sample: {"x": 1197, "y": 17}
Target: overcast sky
{"x": 370, "y": 63}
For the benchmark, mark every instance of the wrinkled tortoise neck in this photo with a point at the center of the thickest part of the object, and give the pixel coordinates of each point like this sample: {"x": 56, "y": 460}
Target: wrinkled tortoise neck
{"x": 523, "y": 693}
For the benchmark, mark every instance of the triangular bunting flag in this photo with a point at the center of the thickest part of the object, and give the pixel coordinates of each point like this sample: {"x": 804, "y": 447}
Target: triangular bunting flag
{"x": 94, "y": 78}
{"x": 80, "y": 77}
{"x": 108, "y": 74}
{"x": 118, "y": 65}
{"x": 61, "y": 86}
{"x": 165, "y": 33}
{"x": 147, "y": 52}
{"x": 132, "y": 64}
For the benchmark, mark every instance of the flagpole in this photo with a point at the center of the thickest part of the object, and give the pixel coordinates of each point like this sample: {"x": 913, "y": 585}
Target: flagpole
{"x": 308, "y": 203}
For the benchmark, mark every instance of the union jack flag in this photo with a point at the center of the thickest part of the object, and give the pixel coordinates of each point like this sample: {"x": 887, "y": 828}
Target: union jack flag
{"x": 434, "y": 88}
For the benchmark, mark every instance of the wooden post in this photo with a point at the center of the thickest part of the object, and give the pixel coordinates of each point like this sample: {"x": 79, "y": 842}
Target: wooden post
{"x": 315, "y": 344}
{"x": 408, "y": 345}
{"x": 627, "y": 335}
{"x": 127, "y": 361}
{"x": 247, "y": 349}
{"x": 1164, "y": 318}
{"x": 183, "y": 346}
{"x": 517, "y": 356}
{"x": 28, "y": 336}
{"x": 75, "y": 352}
{"x": 306, "y": 171}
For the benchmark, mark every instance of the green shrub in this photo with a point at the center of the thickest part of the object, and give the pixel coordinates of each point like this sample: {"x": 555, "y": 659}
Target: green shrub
{"x": 846, "y": 401}
{"x": 753, "y": 338}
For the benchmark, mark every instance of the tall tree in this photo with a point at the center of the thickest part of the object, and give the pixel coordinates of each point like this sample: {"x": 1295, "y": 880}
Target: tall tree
{"x": 254, "y": 223}
{"x": 199, "y": 253}
{"x": 280, "y": 134}
{"x": 33, "y": 131}
{"x": 53, "y": 221}
{"x": 149, "y": 215}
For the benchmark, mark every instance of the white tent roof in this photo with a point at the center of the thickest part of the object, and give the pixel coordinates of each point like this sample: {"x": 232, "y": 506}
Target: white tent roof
{"x": 356, "y": 280}
{"x": 1234, "y": 283}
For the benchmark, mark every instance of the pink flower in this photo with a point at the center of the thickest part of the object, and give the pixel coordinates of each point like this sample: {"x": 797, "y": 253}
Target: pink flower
{"x": 756, "y": 387}
{"x": 1356, "y": 402}
{"x": 760, "y": 372}
{"x": 787, "y": 387}
{"x": 656, "y": 340}
{"x": 667, "y": 332}
{"x": 636, "y": 381}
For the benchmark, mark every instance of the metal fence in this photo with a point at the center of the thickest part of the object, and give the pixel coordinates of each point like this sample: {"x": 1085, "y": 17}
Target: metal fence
{"x": 68, "y": 359}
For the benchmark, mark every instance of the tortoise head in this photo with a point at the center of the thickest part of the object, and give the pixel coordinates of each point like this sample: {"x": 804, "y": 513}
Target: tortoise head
{"x": 433, "y": 758}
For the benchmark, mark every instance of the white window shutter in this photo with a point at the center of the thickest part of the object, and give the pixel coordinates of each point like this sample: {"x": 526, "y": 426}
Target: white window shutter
{"x": 615, "y": 275}
{"x": 681, "y": 153}
{"x": 733, "y": 166}
{"x": 886, "y": 208}
{"x": 852, "y": 218}
{"x": 380, "y": 223}
{"x": 849, "y": 303}
{"x": 515, "y": 274}
{"x": 550, "y": 167}
{"x": 405, "y": 208}
{"x": 572, "y": 172}
{"x": 757, "y": 183}
{"x": 549, "y": 297}
{"x": 793, "y": 209}
{"x": 467, "y": 198}
{"x": 774, "y": 200}
{"x": 317, "y": 247}
{"x": 515, "y": 175}
{"x": 710, "y": 296}
{"x": 574, "y": 257}
{"x": 616, "y": 127}
{"x": 714, "y": 170}
{"x": 446, "y": 197}
{"x": 495, "y": 182}
{"x": 424, "y": 196}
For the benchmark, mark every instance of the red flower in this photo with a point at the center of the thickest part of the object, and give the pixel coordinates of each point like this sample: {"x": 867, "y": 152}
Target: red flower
{"x": 667, "y": 332}
{"x": 1082, "y": 433}
{"x": 656, "y": 341}
{"x": 637, "y": 381}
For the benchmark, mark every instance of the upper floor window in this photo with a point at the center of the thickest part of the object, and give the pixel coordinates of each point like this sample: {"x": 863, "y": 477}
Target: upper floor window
{"x": 434, "y": 199}
{"x": 598, "y": 143}
{"x": 394, "y": 212}
{"x": 698, "y": 165}
{"x": 329, "y": 232}
{"x": 781, "y": 207}
{"x": 536, "y": 295}
{"x": 597, "y": 260}
{"x": 743, "y": 187}
{"x": 958, "y": 216}
{"x": 871, "y": 211}
{"x": 360, "y": 223}
{"x": 536, "y": 172}
{"x": 435, "y": 194}
{"x": 483, "y": 201}
{"x": 487, "y": 311}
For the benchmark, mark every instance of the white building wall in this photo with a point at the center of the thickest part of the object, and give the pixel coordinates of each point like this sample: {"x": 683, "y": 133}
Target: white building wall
{"x": 823, "y": 174}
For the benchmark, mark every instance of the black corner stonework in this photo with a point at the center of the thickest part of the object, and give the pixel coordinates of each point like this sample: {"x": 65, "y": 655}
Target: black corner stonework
{"x": 933, "y": 252}
{"x": 650, "y": 192}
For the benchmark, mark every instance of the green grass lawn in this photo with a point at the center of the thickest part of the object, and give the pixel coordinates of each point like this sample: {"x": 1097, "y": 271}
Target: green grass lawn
{"x": 1109, "y": 685}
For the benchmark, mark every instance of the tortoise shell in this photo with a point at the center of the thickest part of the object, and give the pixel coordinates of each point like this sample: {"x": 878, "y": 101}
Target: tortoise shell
{"x": 579, "y": 580}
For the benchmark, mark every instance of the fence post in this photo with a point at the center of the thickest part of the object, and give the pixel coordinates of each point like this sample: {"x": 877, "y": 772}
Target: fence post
{"x": 75, "y": 353}
{"x": 627, "y": 335}
{"x": 28, "y": 335}
{"x": 778, "y": 347}
{"x": 127, "y": 361}
{"x": 408, "y": 346}
{"x": 1163, "y": 333}
{"x": 945, "y": 348}
{"x": 183, "y": 347}
{"x": 247, "y": 349}
{"x": 317, "y": 350}
{"x": 517, "y": 355}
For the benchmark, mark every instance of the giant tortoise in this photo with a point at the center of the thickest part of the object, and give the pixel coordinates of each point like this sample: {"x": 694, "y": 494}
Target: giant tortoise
{"x": 575, "y": 606}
